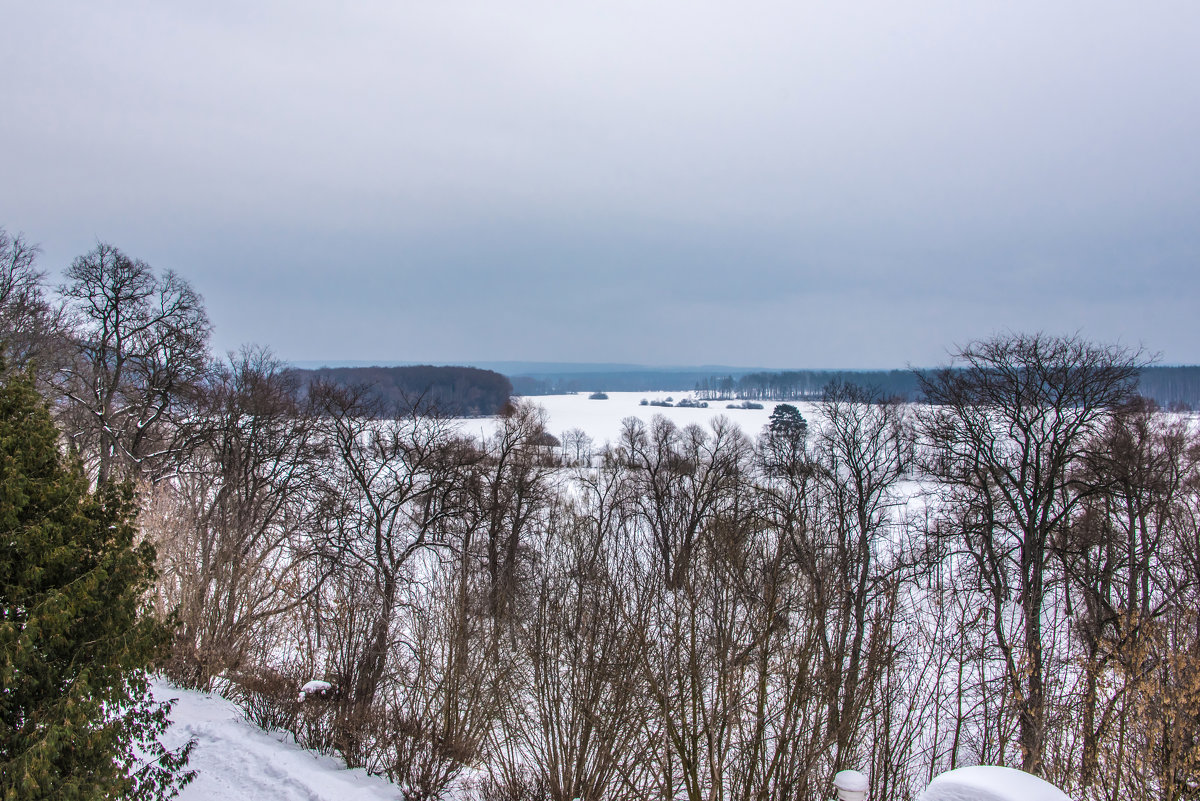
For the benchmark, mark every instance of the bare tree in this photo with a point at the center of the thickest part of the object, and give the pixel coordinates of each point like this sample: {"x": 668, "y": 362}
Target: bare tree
{"x": 1008, "y": 425}
{"x": 860, "y": 453}
{"x": 31, "y": 330}
{"x": 1126, "y": 554}
{"x": 679, "y": 476}
{"x": 511, "y": 490}
{"x": 391, "y": 487}
{"x": 577, "y": 448}
{"x": 580, "y": 716}
{"x": 231, "y": 527}
{"x": 140, "y": 346}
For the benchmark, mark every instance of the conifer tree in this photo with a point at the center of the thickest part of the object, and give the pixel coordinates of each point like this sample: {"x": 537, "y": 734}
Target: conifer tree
{"x": 76, "y": 717}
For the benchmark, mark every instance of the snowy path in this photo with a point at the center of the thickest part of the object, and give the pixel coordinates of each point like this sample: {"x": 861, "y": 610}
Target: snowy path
{"x": 235, "y": 760}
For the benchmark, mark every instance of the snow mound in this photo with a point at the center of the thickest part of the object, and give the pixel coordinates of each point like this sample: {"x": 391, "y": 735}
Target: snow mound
{"x": 315, "y": 686}
{"x": 852, "y": 780}
{"x": 990, "y": 783}
{"x": 235, "y": 760}
{"x": 851, "y": 785}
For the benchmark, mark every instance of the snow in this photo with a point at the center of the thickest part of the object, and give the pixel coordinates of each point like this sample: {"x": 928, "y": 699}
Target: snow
{"x": 235, "y": 760}
{"x": 853, "y": 780}
{"x": 851, "y": 785}
{"x": 314, "y": 686}
{"x": 990, "y": 783}
{"x": 601, "y": 419}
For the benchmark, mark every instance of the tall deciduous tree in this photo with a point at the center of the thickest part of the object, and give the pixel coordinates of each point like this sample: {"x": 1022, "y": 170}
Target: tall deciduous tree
{"x": 1009, "y": 425}
{"x": 141, "y": 342}
{"x": 30, "y": 325}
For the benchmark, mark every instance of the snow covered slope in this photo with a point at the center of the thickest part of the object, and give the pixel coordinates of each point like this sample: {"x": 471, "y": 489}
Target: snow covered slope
{"x": 234, "y": 759}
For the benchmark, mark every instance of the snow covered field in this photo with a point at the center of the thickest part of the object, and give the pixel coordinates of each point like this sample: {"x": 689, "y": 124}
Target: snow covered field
{"x": 235, "y": 760}
{"x": 601, "y": 419}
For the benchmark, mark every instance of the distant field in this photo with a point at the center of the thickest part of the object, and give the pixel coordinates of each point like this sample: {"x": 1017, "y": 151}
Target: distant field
{"x": 601, "y": 419}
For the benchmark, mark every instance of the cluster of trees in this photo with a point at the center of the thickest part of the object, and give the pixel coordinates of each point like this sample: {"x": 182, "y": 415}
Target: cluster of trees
{"x": 1006, "y": 575}
{"x": 567, "y": 379}
{"x": 1175, "y": 388}
{"x": 458, "y": 391}
{"x": 109, "y": 355}
{"x": 789, "y": 385}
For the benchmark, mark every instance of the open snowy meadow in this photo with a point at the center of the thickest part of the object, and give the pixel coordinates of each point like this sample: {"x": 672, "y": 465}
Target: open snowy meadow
{"x": 601, "y": 419}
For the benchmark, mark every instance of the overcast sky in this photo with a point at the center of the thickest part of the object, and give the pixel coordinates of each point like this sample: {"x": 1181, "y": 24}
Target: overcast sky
{"x": 781, "y": 184}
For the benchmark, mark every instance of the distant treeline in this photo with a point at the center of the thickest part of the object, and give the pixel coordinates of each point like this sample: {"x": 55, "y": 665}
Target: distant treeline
{"x": 804, "y": 384}
{"x": 456, "y": 391}
{"x": 606, "y": 381}
{"x": 1170, "y": 387}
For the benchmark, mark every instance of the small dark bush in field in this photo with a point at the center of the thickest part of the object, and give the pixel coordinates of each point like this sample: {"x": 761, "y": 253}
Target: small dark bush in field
{"x": 598, "y": 396}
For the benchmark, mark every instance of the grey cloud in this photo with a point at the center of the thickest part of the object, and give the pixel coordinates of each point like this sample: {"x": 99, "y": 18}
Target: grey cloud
{"x": 470, "y": 180}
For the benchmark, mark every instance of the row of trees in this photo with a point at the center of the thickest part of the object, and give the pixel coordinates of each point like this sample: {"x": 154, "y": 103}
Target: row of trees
{"x": 1176, "y": 388}
{"x": 1004, "y": 575}
{"x": 791, "y": 385}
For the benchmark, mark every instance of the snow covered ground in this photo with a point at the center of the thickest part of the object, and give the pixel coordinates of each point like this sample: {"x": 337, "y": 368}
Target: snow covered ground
{"x": 235, "y": 760}
{"x": 601, "y": 419}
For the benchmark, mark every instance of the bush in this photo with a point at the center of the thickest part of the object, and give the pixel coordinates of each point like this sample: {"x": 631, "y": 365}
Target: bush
{"x": 528, "y": 785}
{"x": 75, "y": 641}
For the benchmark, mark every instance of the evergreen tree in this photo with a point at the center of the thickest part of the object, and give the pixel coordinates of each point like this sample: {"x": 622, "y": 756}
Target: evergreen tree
{"x": 786, "y": 421}
{"x": 76, "y": 717}
{"x": 782, "y": 443}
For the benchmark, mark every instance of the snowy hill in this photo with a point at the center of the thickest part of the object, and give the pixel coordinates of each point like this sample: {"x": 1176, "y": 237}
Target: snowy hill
{"x": 235, "y": 760}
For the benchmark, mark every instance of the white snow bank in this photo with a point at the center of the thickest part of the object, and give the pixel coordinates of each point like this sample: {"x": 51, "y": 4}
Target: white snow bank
{"x": 990, "y": 783}
{"x": 235, "y": 760}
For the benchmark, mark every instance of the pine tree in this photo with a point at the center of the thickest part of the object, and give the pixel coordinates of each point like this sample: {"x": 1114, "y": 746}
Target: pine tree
{"x": 786, "y": 421}
{"x": 76, "y": 717}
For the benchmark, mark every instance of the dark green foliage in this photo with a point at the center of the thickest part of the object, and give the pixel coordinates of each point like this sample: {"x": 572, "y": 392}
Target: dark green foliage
{"x": 782, "y": 443}
{"x": 786, "y": 421}
{"x": 74, "y": 646}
